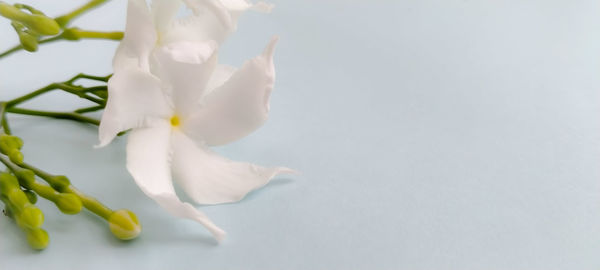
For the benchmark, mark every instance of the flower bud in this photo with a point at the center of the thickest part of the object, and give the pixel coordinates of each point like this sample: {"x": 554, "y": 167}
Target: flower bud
{"x": 31, "y": 217}
{"x": 7, "y": 183}
{"x": 31, "y": 196}
{"x": 11, "y": 12}
{"x": 28, "y": 41}
{"x": 16, "y": 156}
{"x": 59, "y": 182}
{"x": 26, "y": 177}
{"x": 9, "y": 143}
{"x": 69, "y": 203}
{"x": 37, "y": 22}
{"x": 124, "y": 224}
{"x": 41, "y": 24}
{"x": 38, "y": 239}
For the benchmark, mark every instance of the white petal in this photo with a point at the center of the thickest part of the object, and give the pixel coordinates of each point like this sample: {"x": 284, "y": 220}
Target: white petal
{"x": 134, "y": 100}
{"x": 198, "y": 28}
{"x": 139, "y": 37}
{"x": 211, "y": 179}
{"x": 212, "y": 20}
{"x": 214, "y": 7}
{"x": 243, "y": 5}
{"x": 148, "y": 152}
{"x": 239, "y": 106}
{"x": 163, "y": 12}
{"x": 220, "y": 75}
{"x": 186, "y": 67}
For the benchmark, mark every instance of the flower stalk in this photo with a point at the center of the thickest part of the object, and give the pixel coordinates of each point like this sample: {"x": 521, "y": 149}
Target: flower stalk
{"x": 59, "y": 190}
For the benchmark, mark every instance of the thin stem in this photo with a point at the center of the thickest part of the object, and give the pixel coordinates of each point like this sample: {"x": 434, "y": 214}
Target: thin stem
{"x": 31, "y": 95}
{"x": 79, "y": 91}
{"x": 89, "y": 77}
{"x": 90, "y": 203}
{"x": 45, "y": 191}
{"x": 86, "y": 35}
{"x": 65, "y": 19}
{"x": 3, "y": 120}
{"x": 19, "y": 47}
{"x": 49, "y": 40}
{"x": 115, "y": 35}
{"x": 11, "y": 50}
{"x": 89, "y": 109}
{"x": 59, "y": 115}
{"x": 96, "y": 88}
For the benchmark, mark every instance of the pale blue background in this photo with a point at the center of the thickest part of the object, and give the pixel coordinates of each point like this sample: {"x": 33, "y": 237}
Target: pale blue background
{"x": 448, "y": 134}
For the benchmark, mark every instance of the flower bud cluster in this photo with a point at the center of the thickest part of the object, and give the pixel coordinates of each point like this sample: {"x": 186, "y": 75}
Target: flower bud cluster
{"x": 19, "y": 205}
{"x": 29, "y": 23}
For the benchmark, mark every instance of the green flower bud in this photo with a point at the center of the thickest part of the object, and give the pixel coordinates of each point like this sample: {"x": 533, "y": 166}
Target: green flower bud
{"x": 7, "y": 183}
{"x": 16, "y": 156}
{"x": 28, "y": 41}
{"x": 124, "y": 224}
{"x": 31, "y": 196}
{"x": 11, "y": 12}
{"x": 59, "y": 182}
{"x": 42, "y": 24}
{"x": 38, "y": 239}
{"x": 37, "y": 21}
{"x": 26, "y": 177}
{"x": 69, "y": 203}
{"x": 9, "y": 143}
{"x": 31, "y": 217}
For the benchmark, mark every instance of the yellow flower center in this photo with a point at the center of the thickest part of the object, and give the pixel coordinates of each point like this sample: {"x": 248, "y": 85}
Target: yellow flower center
{"x": 175, "y": 122}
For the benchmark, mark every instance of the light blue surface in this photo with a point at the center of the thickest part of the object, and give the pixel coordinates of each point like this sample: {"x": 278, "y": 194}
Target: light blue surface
{"x": 431, "y": 135}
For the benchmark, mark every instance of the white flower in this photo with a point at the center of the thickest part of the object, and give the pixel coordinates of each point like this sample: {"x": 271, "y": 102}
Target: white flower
{"x": 147, "y": 28}
{"x": 176, "y": 105}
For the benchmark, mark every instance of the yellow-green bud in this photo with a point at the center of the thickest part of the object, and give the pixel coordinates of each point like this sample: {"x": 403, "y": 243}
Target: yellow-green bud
{"x": 16, "y": 156}
{"x": 9, "y": 143}
{"x": 11, "y": 12}
{"x": 124, "y": 224}
{"x": 28, "y": 41}
{"x": 31, "y": 217}
{"x": 41, "y": 24}
{"x": 37, "y": 22}
{"x": 69, "y": 203}
{"x": 31, "y": 196}
{"x": 7, "y": 183}
{"x": 38, "y": 239}
{"x": 59, "y": 182}
{"x": 26, "y": 177}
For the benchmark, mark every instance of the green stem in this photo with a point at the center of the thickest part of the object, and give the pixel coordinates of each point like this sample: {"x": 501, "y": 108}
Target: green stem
{"x": 3, "y": 120}
{"x": 59, "y": 115}
{"x": 80, "y": 34}
{"x": 65, "y": 19}
{"x": 89, "y": 109}
{"x": 19, "y": 47}
{"x": 80, "y": 92}
{"x": 66, "y": 86}
{"x": 31, "y": 95}
{"x": 84, "y": 35}
{"x": 89, "y": 203}
{"x": 89, "y": 77}
{"x": 43, "y": 190}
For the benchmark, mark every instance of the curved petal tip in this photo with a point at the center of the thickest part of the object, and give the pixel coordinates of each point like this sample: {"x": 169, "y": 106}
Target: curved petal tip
{"x": 270, "y": 49}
